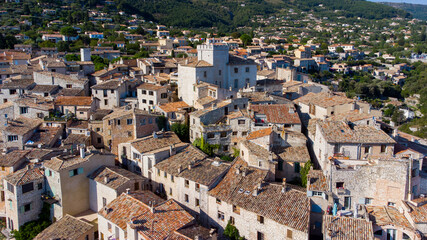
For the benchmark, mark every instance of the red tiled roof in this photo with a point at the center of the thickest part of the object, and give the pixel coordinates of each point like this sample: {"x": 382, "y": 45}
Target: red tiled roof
{"x": 73, "y": 101}
{"x": 347, "y": 228}
{"x": 277, "y": 113}
{"x": 259, "y": 133}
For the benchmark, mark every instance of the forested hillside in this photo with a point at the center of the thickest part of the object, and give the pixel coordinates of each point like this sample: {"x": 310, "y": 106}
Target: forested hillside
{"x": 417, "y": 10}
{"x": 231, "y": 13}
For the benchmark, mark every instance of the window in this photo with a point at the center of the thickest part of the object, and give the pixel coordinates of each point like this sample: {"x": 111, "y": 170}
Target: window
{"x": 172, "y": 178}
{"x": 316, "y": 193}
{"x": 105, "y": 101}
{"x": 236, "y": 70}
{"x": 244, "y": 133}
{"x": 347, "y": 202}
{"x": 367, "y": 149}
{"x": 205, "y": 74}
{"x": 289, "y": 233}
{"x": 218, "y": 201}
{"x": 383, "y": 148}
{"x": 197, "y": 187}
{"x": 12, "y": 138}
{"x": 236, "y": 209}
{"x": 129, "y": 134}
{"x": 136, "y": 155}
{"x": 151, "y": 93}
{"x": 368, "y": 201}
{"x": 26, "y": 208}
{"x": 69, "y": 86}
{"x": 129, "y": 121}
{"x": 211, "y": 135}
{"x": 236, "y": 83}
{"x": 186, "y": 198}
{"x": 234, "y": 133}
{"x": 336, "y": 148}
{"x": 223, "y": 134}
{"x": 142, "y": 122}
{"x": 219, "y": 72}
{"x": 241, "y": 122}
{"x": 340, "y": 185}
{"x": 144, "y": 92}
{"x": 151, "y": 102}
{"x": 164, "y": 95}
{"x": 23, "y": 110}
{"x": 158, "y": 172}
{"x": 297, "y": 167}
{"x": 39, "y": 186}
{"x": 197, "y": 202}
{"x": 104, "y": 202}
{"x": 109, "y": 227}
{"x": 144, "y": 101}
{"x": 220, "y": 215}
{"x": 260, "y": 236}
{"x": 112, "y": 91}
{"x": 187, "y": 183}
{"x": 10, "y": 204}
{"x": 10, "y": 188}
{"x": 260, "y": 219}
{"x": 378, "y": 233}
{"x": 170, "y": 191}
{"x": 150, "y": 121}
{"x": 225, "y": 148}
{"x": 165, "y": 174}
{"x": 75, "y": 172}
{"x": 12, "y": 91}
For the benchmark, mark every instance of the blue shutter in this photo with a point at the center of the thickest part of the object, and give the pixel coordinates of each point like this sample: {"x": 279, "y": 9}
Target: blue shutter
{"x": 79, "y": 171}
{"x": 71, "y": 173}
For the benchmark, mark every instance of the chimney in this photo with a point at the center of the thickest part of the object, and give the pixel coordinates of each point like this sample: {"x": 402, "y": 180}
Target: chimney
{"x": 244, "y": 172}
{"x": 284, "y": 185}
{"x": 256, "y": 190}
{"x": 172, "y": 150}
{"x": 106, "y": 179}
{"x": 238, "y": 171}
{"x": 189, "y": 166}
{"x": 82, "y": 152}
{"x": 152, "y": 207}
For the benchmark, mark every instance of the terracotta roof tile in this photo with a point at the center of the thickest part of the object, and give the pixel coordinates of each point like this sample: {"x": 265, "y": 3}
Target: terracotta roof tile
{"x": 324, "y": 99}
{"x": 347, "y": 228}
{"x": 277, "y": 113}
{"x": 290, "y": 208}
{"x": 24, "y": 176}
{"x": 68, "y": 227}
{"x": 73, "y": 101}
{"x": 383, "y": 216}
{"x": 150, "y": 143}
{"x": 116, "y": 176}
{"x": 259, "y": 133}
{"x": 173, "y": 106}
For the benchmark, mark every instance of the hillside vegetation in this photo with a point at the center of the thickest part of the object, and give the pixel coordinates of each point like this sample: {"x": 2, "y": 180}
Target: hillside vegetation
{"x": 417, "y": 10}
{"x": 230, "y": 14}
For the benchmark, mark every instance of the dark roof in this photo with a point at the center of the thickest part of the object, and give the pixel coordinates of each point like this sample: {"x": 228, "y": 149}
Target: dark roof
{"x": 99, "y": 114}
{"x": 10, "y": 159}
{"x": 44, "y": 88}
{"x": 68, "y": 227}
{"x": 347, "y": 228}
{"x": 286, "y": 206}
{"x": 18, "y": 84}
{"x": 111, "y": 84}
{"x": 203, "y": 170}
{"x": 234, "y": 60}
{"x": 116, "y": 176}
{"x": 24, "y": 176}
{"x": 151, "y": 143}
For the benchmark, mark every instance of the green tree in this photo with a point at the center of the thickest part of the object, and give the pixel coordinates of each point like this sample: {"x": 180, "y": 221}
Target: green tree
{"x": 30, "y": 229}
{"x": 340, "y": 50}
{"x": 304, "y": 172}
{"x": 182, "y": 130}
{"x": 68, "y": 32}
{"x": 72, "y": 57}
{"x": 398, "y": 117}
{"x": 231, "y": 232}
{"x": 162, "y": 122}
{"x": 246, "y": 39}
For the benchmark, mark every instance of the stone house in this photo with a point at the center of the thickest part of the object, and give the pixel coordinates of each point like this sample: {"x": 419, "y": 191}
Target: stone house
{"x": 45, "y": 90}
{"x": 323, "y": 104}
{"x": 17, "y": 132}
{"x": 13, "y": 89}
{"x": 348, "y": 141}
{"x": 215, "y": 66}
{"x": 137, "y": 215}
{"x": 416, "y": 213}
{"x": 124, "y": 125}
{"x": 62, "y": 80}
{"x": 140, "y": 155}
{"x": 6, "y": 112}
{"x": 32, "y": 107}
{"x": 150, "y": 96}
{"x": 109, "y": 182}
{"x": 67, "y": 184}
{"x": 22, "y": 193}
{"x": 280, "y": 115}
{"x": 245, "y": 197}
{"x": 112, "y": 92}
{"x": 187, "y": 177}
{"x": 96, "y": 127}
{"x": 216, "y": 124}
{"x": 80, "y": 106}
{"x": 68, "y": 227}
{"x": 175, "y": 112}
